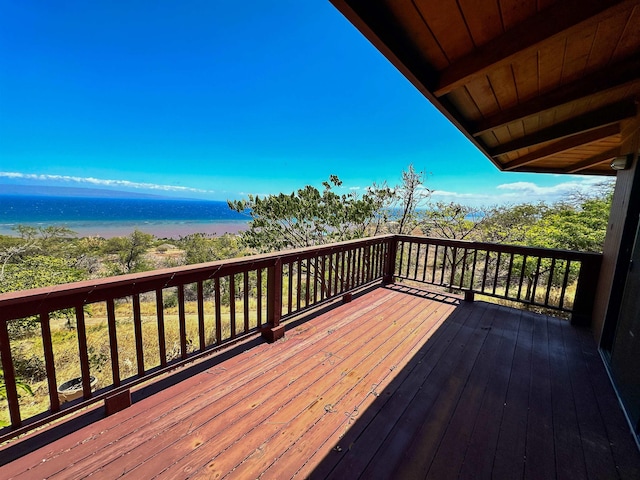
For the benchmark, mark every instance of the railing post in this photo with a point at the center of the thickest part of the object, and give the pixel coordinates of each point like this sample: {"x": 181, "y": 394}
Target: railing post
{"x": 9, "y": 376}
{"x": 586, "y": 291}
{"x": 390, "y": 261}
{"x": 273, "y": 331}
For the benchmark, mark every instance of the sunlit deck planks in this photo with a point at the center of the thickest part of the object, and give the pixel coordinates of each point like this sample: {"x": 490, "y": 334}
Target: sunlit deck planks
{"x": 398, "y": 383}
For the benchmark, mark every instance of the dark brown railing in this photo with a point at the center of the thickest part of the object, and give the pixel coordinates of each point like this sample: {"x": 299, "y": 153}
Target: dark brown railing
{"x": 555, "y": 279}
{"x": 208, "y": 305}
{"x": 176, "y": 315}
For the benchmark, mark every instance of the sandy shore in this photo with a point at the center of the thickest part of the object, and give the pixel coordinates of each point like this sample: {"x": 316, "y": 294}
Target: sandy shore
{"x": 160, "y": 230}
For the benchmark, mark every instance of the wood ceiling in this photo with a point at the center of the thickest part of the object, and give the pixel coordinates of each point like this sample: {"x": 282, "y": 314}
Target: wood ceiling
{"x": 537, "y": 85}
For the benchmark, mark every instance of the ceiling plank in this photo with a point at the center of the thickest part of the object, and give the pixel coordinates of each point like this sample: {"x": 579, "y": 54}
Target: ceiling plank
{"x": 589, "y": 121}
{"x": 561, "y": 171}
{"x": 564, "y": 145}
{"x": 618, "y": 76}
{"x": 559, "y": 19}
{"x": 593, "y": 161}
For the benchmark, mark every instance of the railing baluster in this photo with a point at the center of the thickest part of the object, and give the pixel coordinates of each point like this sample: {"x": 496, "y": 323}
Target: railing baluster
{"x": 232, "y": 304}
{"x": 426, "y": 261}
{"x": 83, "y": 352}
{"x": 399, "y": 264}
{"x": 162, "y": 344}
{"x": 408, "y": 259}
{"x": 464, "y": 268}
{"x": 316, "y": 274}
{"x": 473, "y": 270}
{"x": 137, "y": 331}
{"x": 444, "y": 265}
{"x": 454, "y": 258}
{"x": 323, "y": 281}
{"x": 506, "y": 289}
{"x": 415, "y": 270}
{"x": 485, "y": 270}
{"x": 349, "y": 261}
{"x": 524, "y": 266}
{"x": 201, "y": 329}
{"x": 49, "y": 363}
{"x": 535, "y": 281}
{"x": 9, "y": 376}
{"x": 330, "y": 292}
{"x": 246, "y": 301}
{"x": 289, "y": 287}
{"x": 218, "y": 309}
{"x": 259, "y": 297}
{"x": 565, "y": 281}
{"x": 182, "y": 320}
{"x": 299, "y": 284}
{"x": 550, "y": 281}
{"x": 495, "y": 277}
{"x": 307, "y": 293}
{"x": 435, "y": 262}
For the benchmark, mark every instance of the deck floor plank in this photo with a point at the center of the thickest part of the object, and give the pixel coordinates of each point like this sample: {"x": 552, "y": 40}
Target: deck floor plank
{"x": 397, "y": 383}
{"x": 306, "y": 406}
{"x": 540, "y": 453}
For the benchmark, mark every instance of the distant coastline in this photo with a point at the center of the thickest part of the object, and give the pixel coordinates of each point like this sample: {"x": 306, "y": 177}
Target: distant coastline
{"x": 109, "y": 217}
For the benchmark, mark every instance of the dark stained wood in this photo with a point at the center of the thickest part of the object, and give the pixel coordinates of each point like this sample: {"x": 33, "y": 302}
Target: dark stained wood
{"x": 398, "y": 383}
{"x": 47, "y": 345}
{"x": 618, "y": 76}
{"x": 589, "y": 121}
{"x": 568, "y": 17}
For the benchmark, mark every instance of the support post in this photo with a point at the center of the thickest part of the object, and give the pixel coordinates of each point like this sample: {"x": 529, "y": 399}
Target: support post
{"x": 273, "y": 331}
{"x": 117, "y": 402}
{"x": 586, "y": 291}
{"x": 469, "y": 295}
{"x": 390, "y": 261}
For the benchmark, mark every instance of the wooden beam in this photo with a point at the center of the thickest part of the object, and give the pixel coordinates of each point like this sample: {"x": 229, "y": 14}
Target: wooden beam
{"x": 621, "y": 75}
{"x": 564, "y": 145}
{"x": 560, "y": 19}
{"x": 561, "y": 171}
{"x": 589, "y": 121}
{"x": 593, "y": 161}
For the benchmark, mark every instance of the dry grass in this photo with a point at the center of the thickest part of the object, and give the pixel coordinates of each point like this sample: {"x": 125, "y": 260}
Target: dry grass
{"x": 28, "y": 352}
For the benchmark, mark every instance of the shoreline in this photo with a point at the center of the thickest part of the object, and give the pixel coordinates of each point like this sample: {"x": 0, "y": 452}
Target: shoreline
{"x": 166, "y": 229}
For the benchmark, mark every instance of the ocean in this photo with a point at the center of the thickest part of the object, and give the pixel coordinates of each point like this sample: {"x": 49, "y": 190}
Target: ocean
{"x": 109, "y": 217}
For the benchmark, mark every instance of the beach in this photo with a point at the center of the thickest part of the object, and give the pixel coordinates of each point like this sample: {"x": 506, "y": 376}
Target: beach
{"x": 158, "y": 229}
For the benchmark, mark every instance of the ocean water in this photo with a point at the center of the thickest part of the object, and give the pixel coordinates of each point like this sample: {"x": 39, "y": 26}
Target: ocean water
{"x": 108, "y": 217}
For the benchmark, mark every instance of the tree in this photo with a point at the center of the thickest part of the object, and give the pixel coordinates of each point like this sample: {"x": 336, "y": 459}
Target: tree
{"x": 451, "y": 220}
{"x": 128, "y": 253}
{"x": 201, "y": 248}
{"x": 311, "y": 217}
{"x": 407, "y": 198}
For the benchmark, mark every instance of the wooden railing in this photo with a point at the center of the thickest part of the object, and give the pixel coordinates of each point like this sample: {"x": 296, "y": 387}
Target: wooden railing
{"x": 173, "y": 316}
{"x": 553, "y": 279}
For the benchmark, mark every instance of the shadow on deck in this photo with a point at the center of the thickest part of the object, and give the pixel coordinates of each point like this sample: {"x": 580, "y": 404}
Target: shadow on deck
{"x": 399, "y": 383}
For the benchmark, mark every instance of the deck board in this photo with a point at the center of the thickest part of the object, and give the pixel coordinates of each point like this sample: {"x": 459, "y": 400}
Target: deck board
{"x": 397, "y": 383}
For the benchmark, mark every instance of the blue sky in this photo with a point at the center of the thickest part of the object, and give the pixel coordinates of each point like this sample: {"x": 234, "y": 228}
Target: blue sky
{"x": 217, "y": 99}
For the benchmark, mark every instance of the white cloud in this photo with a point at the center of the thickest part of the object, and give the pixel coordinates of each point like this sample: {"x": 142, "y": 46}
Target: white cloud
{"x": 519, "y": 192}
{"x": 100, "y": 182}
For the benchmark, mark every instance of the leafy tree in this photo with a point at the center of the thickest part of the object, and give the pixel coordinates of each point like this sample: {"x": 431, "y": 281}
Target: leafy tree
{"x": 311, "y": 217}
{"x": 451, "y": 220}
{"x": 128, "y": 253}
{"x": 407, "y": 198}
{"x": 201, "y": 248}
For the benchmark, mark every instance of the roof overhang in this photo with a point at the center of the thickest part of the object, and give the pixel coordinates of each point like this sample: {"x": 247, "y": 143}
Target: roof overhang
{"x": 537, "y": 85}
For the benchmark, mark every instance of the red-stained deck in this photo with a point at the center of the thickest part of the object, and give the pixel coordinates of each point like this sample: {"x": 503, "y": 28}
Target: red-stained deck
{"x": 398, "y": 383}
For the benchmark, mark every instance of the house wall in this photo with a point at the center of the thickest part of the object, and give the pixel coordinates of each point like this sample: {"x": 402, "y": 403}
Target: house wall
{"x": 616, "y": 253}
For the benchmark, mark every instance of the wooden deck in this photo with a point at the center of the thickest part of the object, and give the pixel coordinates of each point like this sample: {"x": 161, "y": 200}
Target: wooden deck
{"x": 398, "y": 383}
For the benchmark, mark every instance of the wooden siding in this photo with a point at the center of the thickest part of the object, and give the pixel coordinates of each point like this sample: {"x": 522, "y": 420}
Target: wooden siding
{"x": 399, "y": 383}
